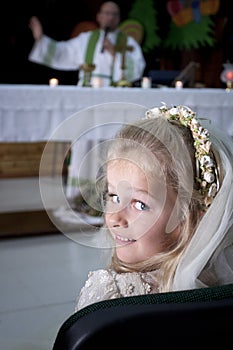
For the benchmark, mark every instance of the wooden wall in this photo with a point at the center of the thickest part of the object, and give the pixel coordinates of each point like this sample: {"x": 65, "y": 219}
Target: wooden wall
{"x": 23, "y": 160}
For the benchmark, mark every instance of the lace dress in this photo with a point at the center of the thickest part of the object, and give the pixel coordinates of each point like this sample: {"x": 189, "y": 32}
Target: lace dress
{"x": 107, "y": 284}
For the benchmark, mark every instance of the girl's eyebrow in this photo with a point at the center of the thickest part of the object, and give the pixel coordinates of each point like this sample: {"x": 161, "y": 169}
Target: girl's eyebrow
{"x": 135, "y": 189}
{"x": 146, "y": 193}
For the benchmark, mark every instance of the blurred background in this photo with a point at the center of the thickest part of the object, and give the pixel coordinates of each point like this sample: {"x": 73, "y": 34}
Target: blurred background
{"x": 175, "y": 48}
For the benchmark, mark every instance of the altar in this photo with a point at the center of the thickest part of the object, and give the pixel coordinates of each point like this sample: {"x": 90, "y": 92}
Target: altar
{"x": 33, "y": 112}
{"x": 84, "y": 117}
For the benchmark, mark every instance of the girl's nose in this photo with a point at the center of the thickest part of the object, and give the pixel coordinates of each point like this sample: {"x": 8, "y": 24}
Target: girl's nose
{"x": 118, "y": 219}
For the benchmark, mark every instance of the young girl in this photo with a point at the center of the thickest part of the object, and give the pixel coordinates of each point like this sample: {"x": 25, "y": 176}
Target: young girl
{"x": 168, "y": 198}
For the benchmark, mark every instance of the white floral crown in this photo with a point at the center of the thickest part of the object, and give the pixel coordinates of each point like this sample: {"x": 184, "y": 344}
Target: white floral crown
{"x": 207, "y": 176}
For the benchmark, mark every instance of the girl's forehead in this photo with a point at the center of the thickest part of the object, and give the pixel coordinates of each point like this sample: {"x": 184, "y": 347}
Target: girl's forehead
{"x": 121, "y": 167}
{"x": 150, "y": 169}
{"x": 119, "y": 170}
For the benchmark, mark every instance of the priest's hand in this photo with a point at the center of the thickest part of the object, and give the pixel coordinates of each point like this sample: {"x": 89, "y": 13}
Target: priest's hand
{"x": 108, "y": 46}
{"x": 36, "y": 28}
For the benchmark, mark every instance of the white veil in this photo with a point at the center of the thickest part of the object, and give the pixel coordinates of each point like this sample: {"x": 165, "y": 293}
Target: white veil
{"x": 208, "y": 259}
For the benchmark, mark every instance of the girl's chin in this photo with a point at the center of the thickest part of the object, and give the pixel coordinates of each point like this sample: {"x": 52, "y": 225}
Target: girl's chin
{"x": 125, "y": 255}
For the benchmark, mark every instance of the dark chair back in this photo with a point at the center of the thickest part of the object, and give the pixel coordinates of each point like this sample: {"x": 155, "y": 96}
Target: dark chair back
{"x": 191, "y": 319}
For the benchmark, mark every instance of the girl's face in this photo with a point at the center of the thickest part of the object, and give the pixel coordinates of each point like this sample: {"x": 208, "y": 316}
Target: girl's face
{"x": 138, "y": 210}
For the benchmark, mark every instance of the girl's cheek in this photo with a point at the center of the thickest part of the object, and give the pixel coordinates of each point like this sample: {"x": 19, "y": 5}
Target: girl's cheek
{"x": 109, "y": 207}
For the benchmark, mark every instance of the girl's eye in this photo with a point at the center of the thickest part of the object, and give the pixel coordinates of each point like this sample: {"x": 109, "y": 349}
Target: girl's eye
{"x": 140, "y": 206}
{"x": 114, "y": 198}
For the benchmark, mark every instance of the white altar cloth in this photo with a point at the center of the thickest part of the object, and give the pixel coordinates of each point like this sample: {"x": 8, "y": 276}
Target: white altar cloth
{"x": 33, "y": 112}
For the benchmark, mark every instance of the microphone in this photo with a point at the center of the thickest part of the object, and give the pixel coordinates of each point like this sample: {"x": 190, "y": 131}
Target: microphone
{"x": 106, "y": 30}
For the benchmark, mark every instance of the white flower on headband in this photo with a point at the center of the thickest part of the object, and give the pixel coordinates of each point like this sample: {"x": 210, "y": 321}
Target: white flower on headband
{"x": 153, "y": 113}
{"x": 209, "y": 177}
{"x": 206, "y": 168}
{"x": 207, "y": 161}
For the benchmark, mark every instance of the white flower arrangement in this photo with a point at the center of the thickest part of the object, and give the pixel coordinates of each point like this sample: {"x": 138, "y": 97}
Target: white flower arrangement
{"x": 206, "y": 168}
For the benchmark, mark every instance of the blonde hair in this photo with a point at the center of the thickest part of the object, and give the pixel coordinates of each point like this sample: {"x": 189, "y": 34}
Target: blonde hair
{"x": 171, "y": 144}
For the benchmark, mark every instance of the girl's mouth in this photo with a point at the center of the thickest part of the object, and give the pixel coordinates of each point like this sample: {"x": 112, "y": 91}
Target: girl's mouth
{"x": 124, "y": 240}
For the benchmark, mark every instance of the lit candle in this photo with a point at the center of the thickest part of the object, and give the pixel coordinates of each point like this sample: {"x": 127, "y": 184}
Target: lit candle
{"x": 53, "y": 82}
{"x": 97, "y": 82}
{"x": 229, "y": 75}
{"x": 146, "y": 83}
{"x": 179, "y": 84}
